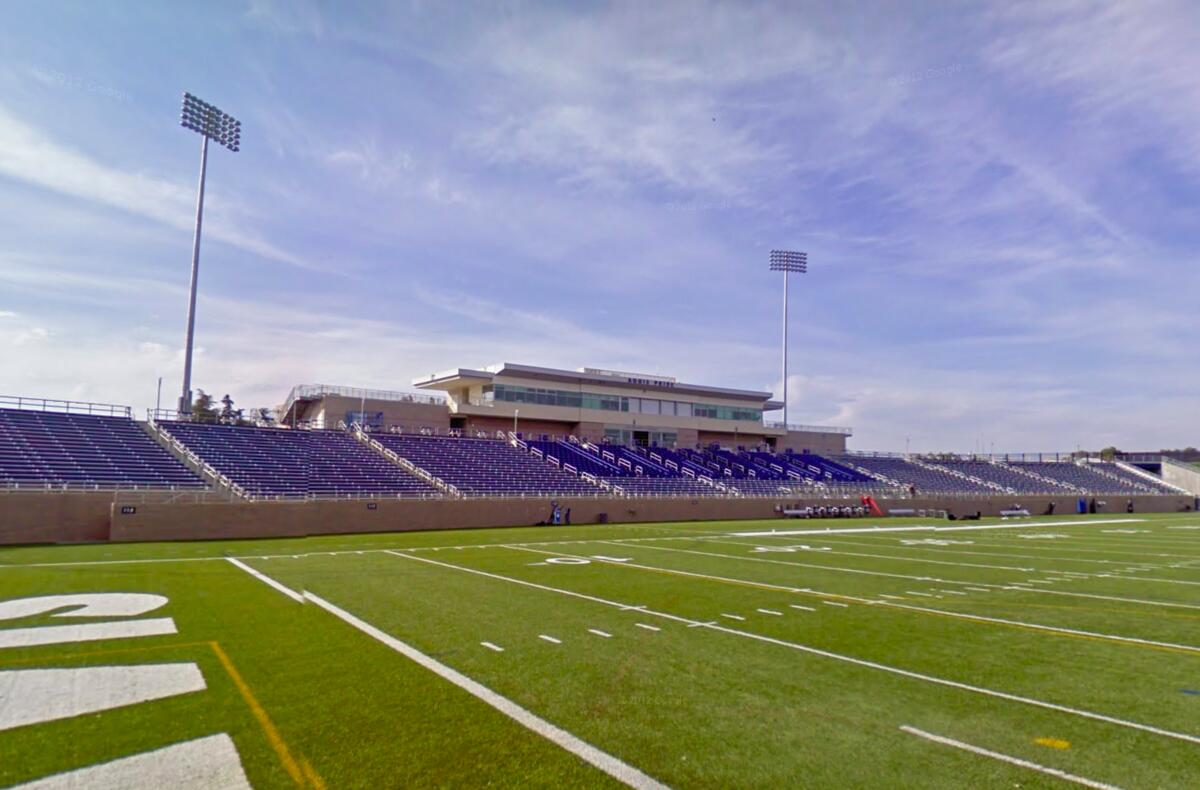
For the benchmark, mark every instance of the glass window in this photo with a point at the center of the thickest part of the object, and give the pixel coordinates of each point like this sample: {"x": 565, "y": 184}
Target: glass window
{"x": 683, "y": 409}
{"x": 649, "y": 406}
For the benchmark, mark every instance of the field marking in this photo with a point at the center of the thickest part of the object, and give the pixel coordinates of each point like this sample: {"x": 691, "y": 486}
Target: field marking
{"x": 648, "y": 627}
{"x": 34, "y": 696}
{"x": 1068, "y": 632}
{"x": 733, "y": 616}
{"x": 1004, "y": 586}
{"x": 771, "y": 612}
{"x": 85, "y": 632}
{"x": 598, "y": 632}
{"x": 1079, "y": 780}
{"x": 267, "y": 580}
{"x": 836, "y": 603}
{"x": 1041, "y": 557}
{"x": 903, "y": 559}
{"x": 550, "y": 639}
{"x": 815, "y": 566}
{"x": 801, "y": 608}
{"x": 206, "y": 762}
{"x": 930, "y": 528}
{"x": 674, "y": 536}
{"x": 490, "y": 646}
{"x": 816, "y": 651}
{"x": 260, "y": 714}
{"x": 617, "y": 769}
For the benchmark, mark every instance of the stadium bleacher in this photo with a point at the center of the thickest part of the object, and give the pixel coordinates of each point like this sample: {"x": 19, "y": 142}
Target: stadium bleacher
{"x": 1098, "y": 477}
{"x": 906, "y": 473}
{"x": 480, "y": 467}
{"x": 45, "y": 448}
{"x": 1012, "y": 479}
{"x": 41, "y": 448}
{"x": 273, "y": 462}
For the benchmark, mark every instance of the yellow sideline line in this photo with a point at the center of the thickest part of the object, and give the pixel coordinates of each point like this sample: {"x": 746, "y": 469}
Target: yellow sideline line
{"x": 281, "y": 749}
{"x": 299, "y": 772}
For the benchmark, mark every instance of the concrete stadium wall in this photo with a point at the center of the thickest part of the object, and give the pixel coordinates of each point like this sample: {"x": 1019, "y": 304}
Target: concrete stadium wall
{"x": 66, "y": 518}
{"x": 278, "y": 519}
{"x": 54, "y": 517}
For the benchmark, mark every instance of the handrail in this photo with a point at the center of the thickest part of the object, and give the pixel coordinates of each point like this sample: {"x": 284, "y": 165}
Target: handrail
{"x": 840, "y": 430}
{"x": 401, "y": 461}
{"x": 313, "y": 391}
{"x": 22, "y": 403}
{"x": 197, "y": 464}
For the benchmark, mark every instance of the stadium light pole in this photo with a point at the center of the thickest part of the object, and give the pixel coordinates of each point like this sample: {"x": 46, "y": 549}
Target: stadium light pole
{"x": 787, "y": 261}
{"x": 210, "y": 123}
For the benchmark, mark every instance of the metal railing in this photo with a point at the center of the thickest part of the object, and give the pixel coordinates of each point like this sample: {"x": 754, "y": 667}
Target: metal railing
{"x": 13, "y": 486}
{"x": 313, "y": 391}
{"x": 193, "y": 461}
{"x": 65, "y": 406}
{"x": 841, "y": 431}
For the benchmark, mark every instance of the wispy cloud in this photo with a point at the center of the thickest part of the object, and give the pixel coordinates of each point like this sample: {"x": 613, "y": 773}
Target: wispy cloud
{"x": 28, "y": 155}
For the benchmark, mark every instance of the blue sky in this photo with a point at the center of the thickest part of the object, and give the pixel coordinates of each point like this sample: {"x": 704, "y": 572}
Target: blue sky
{"x": 999, "y": 202}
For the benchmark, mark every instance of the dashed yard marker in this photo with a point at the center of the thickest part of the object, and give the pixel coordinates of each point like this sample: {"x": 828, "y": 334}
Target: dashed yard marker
{"x": 802, "y": 608}
{"x": 835, "y": 603}
{"x": 648, "y": 627}
{"x": 771, "y": 611}
{"x": 733, "y": 616}
{"x": 490, "y": 646}
{"x": 598, "y": 632}
{"x": 550, "y": 639}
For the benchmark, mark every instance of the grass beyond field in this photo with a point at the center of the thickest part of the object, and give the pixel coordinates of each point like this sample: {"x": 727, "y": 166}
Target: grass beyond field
{"x": 875, "y": 654}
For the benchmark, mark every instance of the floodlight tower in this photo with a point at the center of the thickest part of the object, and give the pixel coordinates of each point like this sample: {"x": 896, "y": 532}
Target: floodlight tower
{"x": 787, "y": 262}
{"x": 210, "y": 123}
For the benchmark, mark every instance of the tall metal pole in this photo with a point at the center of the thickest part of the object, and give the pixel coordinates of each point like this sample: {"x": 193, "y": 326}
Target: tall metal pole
{"x": 185, "y": 399}
{"x": 785, "y": 348}
{"x": 787, "y": 261}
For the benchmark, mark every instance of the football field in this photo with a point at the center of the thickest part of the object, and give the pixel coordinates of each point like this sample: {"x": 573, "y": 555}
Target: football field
{"x": 1050, "y": 652}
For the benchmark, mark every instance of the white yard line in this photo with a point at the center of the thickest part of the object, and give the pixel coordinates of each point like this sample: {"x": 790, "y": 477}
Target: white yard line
{"x": 801, "y": 608}
{"x": 930, "y": 528}
{"x": 733, "y": 616}
{"x": 598, "y": 632}
{"x": 621, "y": 771}
{"x": 835, "y": 603}
{"x": 490, "y": 646}
{"x": 1008, "y": 586}
{"x": 289, "y": 592}
{"x": 1008, "y": 759}
{"x": 1181, "y": 736}
{"x": 648, "y": 627}
{"x": 911, "y": 607}
{"x": 550, "y": 639}
{"x": 771, "y": 612}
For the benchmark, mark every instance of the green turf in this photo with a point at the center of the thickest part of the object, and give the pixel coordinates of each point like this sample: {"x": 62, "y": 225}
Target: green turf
{"x": 749, "y": 681}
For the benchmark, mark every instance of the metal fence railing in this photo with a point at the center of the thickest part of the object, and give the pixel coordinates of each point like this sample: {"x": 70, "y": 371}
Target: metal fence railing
{"x": 64, "y": 406}
{"x": 839, "y": 430}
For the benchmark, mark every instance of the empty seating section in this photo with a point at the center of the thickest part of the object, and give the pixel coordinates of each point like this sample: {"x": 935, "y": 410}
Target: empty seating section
{"x": 665, "y": 486}
{"x": 1012, "y": 479}
{"x": 906, "y": 473}
{"x": 274, "y": 462}
{"x": 486, "y": 466}
{"x": 40, "y": 448}
{"x": 1134, "y": 481}
{"x": 1090, "y": 477}
{"x": 51, "y": 448}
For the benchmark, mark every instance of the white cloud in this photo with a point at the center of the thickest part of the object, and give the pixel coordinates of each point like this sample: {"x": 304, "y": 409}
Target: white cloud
{"x": 28, "y": 155}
